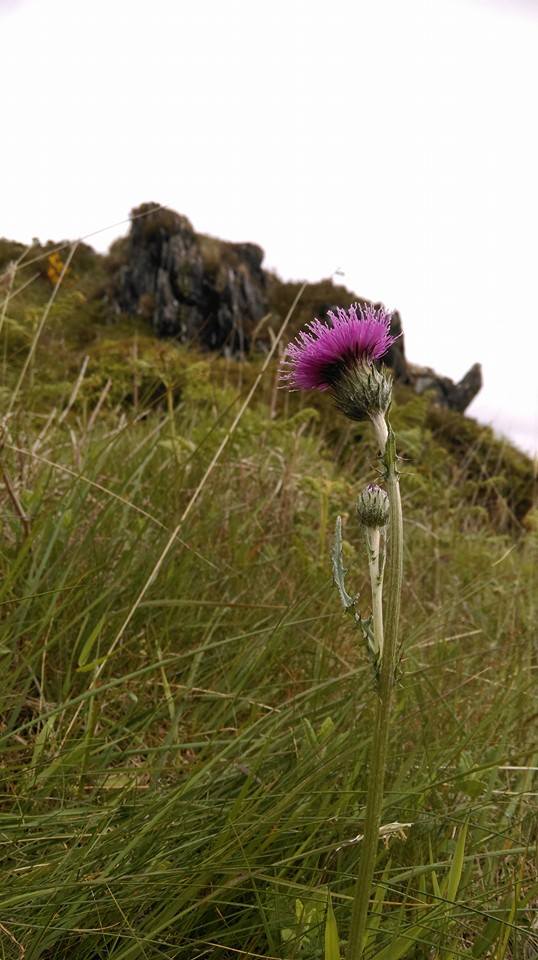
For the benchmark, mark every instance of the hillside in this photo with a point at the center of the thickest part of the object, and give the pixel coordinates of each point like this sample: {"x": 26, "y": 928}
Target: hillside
{"x": 185, "y": 710}
{"x": 212, "y": 294}
{"x": 104, "y": 312}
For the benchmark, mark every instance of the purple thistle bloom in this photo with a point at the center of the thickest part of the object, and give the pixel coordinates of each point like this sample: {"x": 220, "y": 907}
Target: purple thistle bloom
{"x": 317, "y": 358}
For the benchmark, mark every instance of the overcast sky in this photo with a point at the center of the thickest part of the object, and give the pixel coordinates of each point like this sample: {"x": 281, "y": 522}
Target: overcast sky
{"x": 394, "y": 140}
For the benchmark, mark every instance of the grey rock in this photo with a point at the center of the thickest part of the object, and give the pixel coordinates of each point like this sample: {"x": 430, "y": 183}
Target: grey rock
{"x": 455, "y": 396}
{"x": 190, "y": 287}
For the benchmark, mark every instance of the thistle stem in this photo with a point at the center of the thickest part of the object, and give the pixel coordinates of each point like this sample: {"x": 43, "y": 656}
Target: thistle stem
{"x": 380, "y": 738}
{"x": 373, "y": 536}
{"x": 380, "y": 429}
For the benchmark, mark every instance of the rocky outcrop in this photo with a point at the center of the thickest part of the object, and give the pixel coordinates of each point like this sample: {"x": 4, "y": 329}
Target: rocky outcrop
{"x": 202, "y": 290}
{"x": 189, "y": 286}
{"x": 455, "y": 396}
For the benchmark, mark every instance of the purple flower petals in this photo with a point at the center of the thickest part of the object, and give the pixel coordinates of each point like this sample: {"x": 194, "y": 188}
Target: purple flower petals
{"x": 317, "y": 357}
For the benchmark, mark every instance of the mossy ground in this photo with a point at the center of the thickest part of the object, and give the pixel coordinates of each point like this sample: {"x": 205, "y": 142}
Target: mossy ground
{"x": 185, "y": 742}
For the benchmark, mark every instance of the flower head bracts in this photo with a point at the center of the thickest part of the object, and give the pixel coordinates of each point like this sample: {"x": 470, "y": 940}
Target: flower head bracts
{"x": 316, "y": 359}
{"x": 373, "y": 506}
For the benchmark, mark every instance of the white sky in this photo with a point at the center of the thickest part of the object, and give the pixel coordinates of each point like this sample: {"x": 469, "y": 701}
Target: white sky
{"x": 396, "y": 140}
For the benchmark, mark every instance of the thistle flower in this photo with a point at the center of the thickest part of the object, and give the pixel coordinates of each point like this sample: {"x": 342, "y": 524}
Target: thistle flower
{"x": 339, "y": 357}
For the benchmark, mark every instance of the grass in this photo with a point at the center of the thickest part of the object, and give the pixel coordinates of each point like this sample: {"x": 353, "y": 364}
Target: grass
{"x": 184, "y": 763}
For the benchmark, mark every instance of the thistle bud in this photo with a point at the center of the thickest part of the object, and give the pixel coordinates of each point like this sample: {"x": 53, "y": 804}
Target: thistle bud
{"x": 373, "y": 506}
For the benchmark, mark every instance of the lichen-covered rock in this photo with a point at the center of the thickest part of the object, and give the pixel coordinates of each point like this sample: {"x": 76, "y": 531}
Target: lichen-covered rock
{"x": 190, "y": 287}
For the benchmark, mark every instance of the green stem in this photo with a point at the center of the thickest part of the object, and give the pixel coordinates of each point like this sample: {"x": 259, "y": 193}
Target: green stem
{"x": 373, "y": 539}
{"x": 380, "y": 738}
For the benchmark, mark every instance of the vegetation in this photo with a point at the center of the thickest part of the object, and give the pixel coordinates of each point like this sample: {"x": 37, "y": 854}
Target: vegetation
{"x": 185, "y": 710}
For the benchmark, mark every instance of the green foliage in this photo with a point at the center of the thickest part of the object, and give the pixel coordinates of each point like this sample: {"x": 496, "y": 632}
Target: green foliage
{"x": 184, "y": 744}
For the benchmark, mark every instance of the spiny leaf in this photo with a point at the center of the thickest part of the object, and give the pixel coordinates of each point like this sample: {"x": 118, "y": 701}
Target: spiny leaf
{"x": 339, "y": 571}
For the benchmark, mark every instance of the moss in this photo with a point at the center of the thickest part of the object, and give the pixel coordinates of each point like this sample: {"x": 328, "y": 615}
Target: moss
{"x": 152, "y": 221}
{"x": 117, "y": 255}
{"x": 503, "y": 477}
{"x": 316, "y": 300}
{"x": 9, "y": 252}
{"x": 217, "y": 255}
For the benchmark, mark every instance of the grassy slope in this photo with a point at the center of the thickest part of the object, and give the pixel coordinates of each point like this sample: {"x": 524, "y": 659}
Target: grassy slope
{"x": 191, "y": 793}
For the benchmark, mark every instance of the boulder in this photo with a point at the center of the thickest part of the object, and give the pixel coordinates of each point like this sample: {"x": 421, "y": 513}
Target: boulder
{"x": 189, "y": 286}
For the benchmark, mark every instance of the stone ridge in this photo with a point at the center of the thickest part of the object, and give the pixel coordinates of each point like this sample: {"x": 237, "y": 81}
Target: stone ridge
{"x": 216, "y": 294}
